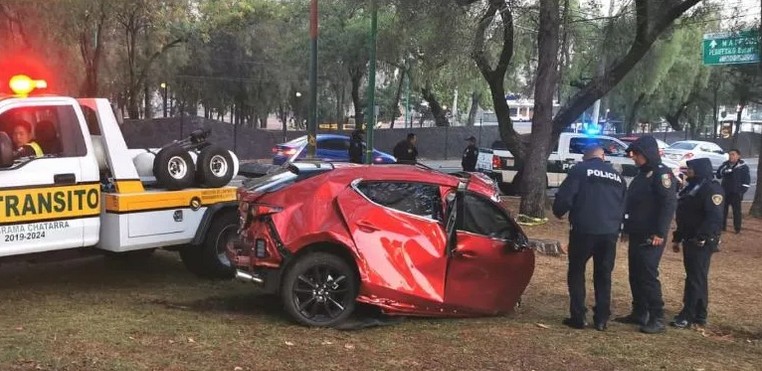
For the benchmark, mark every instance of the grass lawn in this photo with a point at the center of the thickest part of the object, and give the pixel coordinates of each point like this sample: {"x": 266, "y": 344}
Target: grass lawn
{"x": 91, "y": 314}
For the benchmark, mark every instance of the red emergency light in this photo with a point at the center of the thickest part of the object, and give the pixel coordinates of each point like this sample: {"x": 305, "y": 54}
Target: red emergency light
{"x": 22, "y": 85}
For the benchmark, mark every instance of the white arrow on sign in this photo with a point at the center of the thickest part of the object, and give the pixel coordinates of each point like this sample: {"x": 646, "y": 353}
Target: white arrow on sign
{"x": 713, "y": 44}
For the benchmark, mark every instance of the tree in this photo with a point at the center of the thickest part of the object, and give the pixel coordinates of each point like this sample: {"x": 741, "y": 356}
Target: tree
{"x": 756, "y": 206}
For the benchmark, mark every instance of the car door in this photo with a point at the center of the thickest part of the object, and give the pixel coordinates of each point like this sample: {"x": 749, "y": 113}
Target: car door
{"x": 489, "y": 269}
{"x": 334, "y": 149}
{"x": 397, "y": 228}
{"x": 48, "y": 203}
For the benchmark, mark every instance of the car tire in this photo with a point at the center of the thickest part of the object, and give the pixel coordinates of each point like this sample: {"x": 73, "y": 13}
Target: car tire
{"x": 209, "y": 260}
{"x": 6, "y": 150}
{"x": 320, "y": 290}
{"x": 214, "y": 167}
{"x": 173, "y": 168}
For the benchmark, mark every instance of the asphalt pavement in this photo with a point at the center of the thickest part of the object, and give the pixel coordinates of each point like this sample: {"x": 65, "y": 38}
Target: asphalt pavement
{"x": 454, "y": 165}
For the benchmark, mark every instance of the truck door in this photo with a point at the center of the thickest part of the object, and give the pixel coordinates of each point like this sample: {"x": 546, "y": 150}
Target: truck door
{"x": 48, "y": 200}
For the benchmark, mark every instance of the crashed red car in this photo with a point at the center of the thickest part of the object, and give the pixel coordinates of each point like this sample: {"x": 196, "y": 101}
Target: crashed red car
{"x": 406, "y": 239}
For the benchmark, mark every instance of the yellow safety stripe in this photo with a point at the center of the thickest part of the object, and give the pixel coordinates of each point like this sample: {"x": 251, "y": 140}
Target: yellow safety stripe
{"x": 129, "y": 186}
{"x": 44, "y": 203}
{"x": 37, "y": 149}
{"x": 163, "y": 200}
{"x": 530, "y": 221}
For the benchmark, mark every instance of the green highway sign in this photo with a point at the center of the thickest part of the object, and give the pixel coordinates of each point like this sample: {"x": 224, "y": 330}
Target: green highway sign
{"x": 725, "y": 48}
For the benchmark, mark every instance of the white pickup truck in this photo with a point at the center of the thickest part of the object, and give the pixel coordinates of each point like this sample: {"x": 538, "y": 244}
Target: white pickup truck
{"x": 83, "y": 189}
{"x": 500, "y": 164}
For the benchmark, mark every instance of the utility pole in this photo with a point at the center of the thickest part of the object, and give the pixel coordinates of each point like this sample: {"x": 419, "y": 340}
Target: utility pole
{"x": 371, "y": 112}
{"x": 602, "y": 65}
{"x": 164, "y": 96}
{"x": 312, "y": 122}
{"x": 408, "y": 117}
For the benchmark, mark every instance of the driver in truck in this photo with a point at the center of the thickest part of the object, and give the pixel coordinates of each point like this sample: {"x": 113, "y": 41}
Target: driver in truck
{"x": 21, "y": 134}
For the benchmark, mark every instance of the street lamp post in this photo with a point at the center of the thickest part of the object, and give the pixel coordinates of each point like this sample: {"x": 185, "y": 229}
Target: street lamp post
{"x": 371, "y": 121}
{"x": 312, "y": 123}
{"x": 164, "y": 92}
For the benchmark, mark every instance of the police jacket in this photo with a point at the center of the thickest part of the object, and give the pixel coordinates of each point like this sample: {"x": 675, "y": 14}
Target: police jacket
{"x": 735, "y": 178}
{"x": 31, "y": 149}
{"x": 405, "y": 152}
{"x": 593, "y": 194}
{"x": 356, "y": 147}
{"x": 652, "y": 196}
{"x": 469, "y": 158}
{"x": 700, "y": 205}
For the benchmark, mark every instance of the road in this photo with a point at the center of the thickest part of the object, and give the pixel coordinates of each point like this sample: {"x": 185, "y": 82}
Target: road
{"x": 454, "y": 165}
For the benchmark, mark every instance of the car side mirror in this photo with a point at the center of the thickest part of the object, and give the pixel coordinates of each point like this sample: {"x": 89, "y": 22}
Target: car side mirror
{"x": 6, "y": 150}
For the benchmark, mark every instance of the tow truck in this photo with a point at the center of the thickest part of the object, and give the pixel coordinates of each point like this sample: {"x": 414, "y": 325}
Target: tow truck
{"x": 87, "y": 192}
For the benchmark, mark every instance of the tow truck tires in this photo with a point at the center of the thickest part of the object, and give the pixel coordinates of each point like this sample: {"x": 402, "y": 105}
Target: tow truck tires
{"x": 209, "y": 260}
{"x": 174, "y": 169}
{"x": 214, "y": 167}
{"x": 320, "y": 290}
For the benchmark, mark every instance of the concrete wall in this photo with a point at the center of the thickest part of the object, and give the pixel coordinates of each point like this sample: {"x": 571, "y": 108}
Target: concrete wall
{"x": 433, "y": 143}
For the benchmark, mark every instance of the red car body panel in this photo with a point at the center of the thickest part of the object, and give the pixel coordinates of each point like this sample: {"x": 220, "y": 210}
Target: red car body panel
{"x": 402, "y": 259}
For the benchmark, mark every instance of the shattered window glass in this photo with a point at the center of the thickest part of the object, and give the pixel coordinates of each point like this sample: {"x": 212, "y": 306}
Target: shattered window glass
{"x": 484, "y": 218}
{"x": 413, "y": 198}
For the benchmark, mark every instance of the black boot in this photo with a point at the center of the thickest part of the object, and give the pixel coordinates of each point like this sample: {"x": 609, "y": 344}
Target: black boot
{"x": 654, "y": 326}
{"x": 633, "y": 319}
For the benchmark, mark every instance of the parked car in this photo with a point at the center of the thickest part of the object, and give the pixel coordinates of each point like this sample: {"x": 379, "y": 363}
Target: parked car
{"x": 685, "y": 150}
{"x": 500, "y": 164}
{"x": 330, "y": 148}
{"x": 662, "y": 144}
{"x": 406, "y": 239}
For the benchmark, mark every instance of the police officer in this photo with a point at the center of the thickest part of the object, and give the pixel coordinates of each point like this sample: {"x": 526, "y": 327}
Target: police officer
{"x": 21, "y": 135}
{"x": 699, "y": 220}
{"x": 405, "y": 151}
{"x": 356, "y": 147}
{"x": 594, "y": 195}
{"x": 651, "y": 203}
{"x": 735, "y": 181}
{"x": 470, "y": 154}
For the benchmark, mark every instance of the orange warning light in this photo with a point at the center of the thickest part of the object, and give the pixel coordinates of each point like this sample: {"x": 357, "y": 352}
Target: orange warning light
{"x": 22, "y": 85}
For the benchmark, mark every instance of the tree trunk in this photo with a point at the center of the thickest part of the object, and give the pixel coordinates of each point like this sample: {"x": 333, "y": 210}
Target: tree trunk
{"x": 674, "y": 119}
{"x": 397, "y": 97}
{"x": 534, "y": 181}
{"x": 741, "y": 105}
{"x": 756, "y": 206}
{"x": 632, "y": 117}
{"x": 476, "y": 97}
{"x": 356, "y": 79}
{"x": 495, "y": 76}
{"x": 440, "y": 119}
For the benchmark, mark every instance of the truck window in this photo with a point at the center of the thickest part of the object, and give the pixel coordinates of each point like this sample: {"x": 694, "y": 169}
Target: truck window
{"x": 43, "y": 131}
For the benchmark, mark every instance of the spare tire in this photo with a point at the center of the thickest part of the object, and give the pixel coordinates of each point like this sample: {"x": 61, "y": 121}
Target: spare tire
{"x": 214, "y": 167}
{"x": 6, "y": 150}
{"x": 173, "y": 168}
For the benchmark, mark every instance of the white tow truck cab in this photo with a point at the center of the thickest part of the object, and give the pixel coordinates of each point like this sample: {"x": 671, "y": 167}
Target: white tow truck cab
{"x": 68, "y": 181}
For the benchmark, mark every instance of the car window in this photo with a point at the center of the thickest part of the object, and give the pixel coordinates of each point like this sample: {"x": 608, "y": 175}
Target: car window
{"x": 610, "y": 146}
{"x": 683, "y": 145}
{"x": 413, "y": 198}
{"x": 484, "y": 218}
{"x": 335, "y": 144}
{"x": 53, "y": 130}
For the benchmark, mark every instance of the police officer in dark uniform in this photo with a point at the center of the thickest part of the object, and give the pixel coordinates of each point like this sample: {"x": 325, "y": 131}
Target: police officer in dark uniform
{"x": 470, "y": 154}
{"x": 699, "y": 220}
{"x": 735, "y": 181}
{"x": 356, "y": 147}
{"x": 651, "y": 204}
{"x": 405, "y": 151}
{"x": 594, "y": 195}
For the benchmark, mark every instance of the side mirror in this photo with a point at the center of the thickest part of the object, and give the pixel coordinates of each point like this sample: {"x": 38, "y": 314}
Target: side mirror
{"x": 6, "y": 150}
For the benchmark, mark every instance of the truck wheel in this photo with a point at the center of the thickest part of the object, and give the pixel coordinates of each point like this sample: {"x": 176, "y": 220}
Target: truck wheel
{"x": 320, "y": 290}
{"x": 209, "y": 260}
{"x": 173, "y": 168}
{"x": 6, "y": 150}
{"x": 214, "y": 167}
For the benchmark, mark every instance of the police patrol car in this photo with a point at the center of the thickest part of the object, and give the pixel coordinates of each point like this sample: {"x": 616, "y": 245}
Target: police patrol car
{"x": 500, "y": 164}
{"x": 79, "y": 186}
